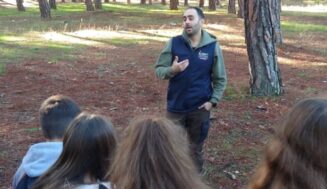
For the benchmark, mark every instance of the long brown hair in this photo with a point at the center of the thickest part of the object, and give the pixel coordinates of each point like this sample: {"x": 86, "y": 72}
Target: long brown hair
{"x": 89, "y": 145}
{"x": 296, "y": 156}
{"x": 154, "y": 154}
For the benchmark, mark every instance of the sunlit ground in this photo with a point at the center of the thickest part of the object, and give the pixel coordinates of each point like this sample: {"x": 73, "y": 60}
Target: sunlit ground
{"x": 311, "y": 8}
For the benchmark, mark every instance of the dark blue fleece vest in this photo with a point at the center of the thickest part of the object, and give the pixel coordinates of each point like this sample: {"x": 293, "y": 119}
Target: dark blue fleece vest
{"x": 191, "y": 88}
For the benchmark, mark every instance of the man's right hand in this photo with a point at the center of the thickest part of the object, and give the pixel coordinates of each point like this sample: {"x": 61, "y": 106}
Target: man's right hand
{"x": 179, "y": 66}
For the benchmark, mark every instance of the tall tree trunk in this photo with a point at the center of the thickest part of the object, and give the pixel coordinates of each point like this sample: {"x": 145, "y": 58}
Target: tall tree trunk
{"x": 185, "y": 3}
{"x": 97, "y": 4}
{"x": 74, "y": 1}
{"x": 231, "y": 7}
{"x": 107, "y": 1}
{"x": 212, "y": 5}
{"x": 150, "y": 2}
{"x": 201, "y": 3}
{"x": 20, "y": 5}
{"x": 262, "y": 32}
{"x": 173, "y": 5}
{"x": 218, "y": 2}
{"x": 89, "y": 5}
{"x": 63, "y": 1}
{"x": 53, "y": 4}
{"x": 44, "y": 9}
{"x": 143, "y": 2}
{"x": 128, "y": 1}
{"x": 163, "y": 2}
{"x": 240, "y": 13}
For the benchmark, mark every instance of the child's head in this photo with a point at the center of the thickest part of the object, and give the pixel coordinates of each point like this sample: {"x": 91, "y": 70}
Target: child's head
{"x": 56, "y": 113}
{"x": 305, "y": 130}
{"x": 89, "y": 145}
{"x": 154, "y": 154}
{"x": 296, "y": 157}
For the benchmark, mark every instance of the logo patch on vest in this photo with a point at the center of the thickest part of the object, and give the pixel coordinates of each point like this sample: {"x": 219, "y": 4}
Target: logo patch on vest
{"x": 203, "y": 56}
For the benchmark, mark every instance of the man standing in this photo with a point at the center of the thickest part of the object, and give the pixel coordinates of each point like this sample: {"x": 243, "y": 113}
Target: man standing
{"x": 194, "y": 65}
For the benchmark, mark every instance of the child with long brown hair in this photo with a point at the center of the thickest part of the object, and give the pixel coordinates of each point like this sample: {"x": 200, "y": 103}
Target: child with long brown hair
{"x": 297, "y": 157}
{"x": 154, "y": 154}
{"x": 89, "y": 145}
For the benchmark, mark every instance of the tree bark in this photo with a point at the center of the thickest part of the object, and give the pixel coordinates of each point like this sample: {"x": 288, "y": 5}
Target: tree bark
{"x": 185, "y": 3}
{"x": 231, "y": 7}
{"x": 143, "y": 2}
{"x": 173, "y": 5}
{"x": 212, "y": 5}
{"x": 53, "y": 4}
{"x": 163, "y": 2}
{"x": 97, "y": 4}
{"x": 262, "y": 33}
{"x": 218, "y": 2}
{"x": 201, "y": 3}
{"x": 63, "y": 1}
{"x": 106, "y": 1}
{"x": 240, "y": 13}
{"x": 89, "y": 5}
{"x": 20, "y": 5}
{"x": 44, "y": 9}
{"x": 74, "y": 1}
{"x": 150, "y": 2}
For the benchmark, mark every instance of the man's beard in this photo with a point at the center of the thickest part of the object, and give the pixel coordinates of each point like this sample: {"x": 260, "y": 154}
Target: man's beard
{"x": 195, "y": 30}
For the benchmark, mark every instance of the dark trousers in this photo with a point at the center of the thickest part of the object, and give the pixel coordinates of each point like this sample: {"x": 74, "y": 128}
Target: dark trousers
{"x": 197, "y": 125}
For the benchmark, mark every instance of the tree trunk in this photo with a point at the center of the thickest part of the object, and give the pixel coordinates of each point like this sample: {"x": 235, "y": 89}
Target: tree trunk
{"x": 185, "y": 3}
{"x": 163, "y": 2}
{"x": 173, "y": 5}
{"x": 53, "y": 4}
{"x": 150, "y": 2}
{"x": 107, "y": 1}
{"x": 218, "y": 2}
{"x": 20, "y": 5}
{"x": 128, "y": 2}
{"x": 212, "y": 5}
{"x": 44, "y": 9}
{"x": 89, "y": 5}
{"x": 63, "y": 1}
{"x": 97, "y": 4}
{"x": 74, "y": 1}
{"x": 262, "y": 32}
{"x": 201, "y": 3}
{"x": 240, "y": 13}
{"x": 231, "y": 7}
{"x": 143, "y": 2}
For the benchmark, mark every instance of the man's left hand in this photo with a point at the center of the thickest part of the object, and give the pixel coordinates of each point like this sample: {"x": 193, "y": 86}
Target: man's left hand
{"x": 207, "y": 106}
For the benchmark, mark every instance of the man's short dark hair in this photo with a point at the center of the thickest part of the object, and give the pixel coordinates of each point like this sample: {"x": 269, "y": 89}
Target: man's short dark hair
{"x": 198, "y": 11}
{"x": 56, "y": 113}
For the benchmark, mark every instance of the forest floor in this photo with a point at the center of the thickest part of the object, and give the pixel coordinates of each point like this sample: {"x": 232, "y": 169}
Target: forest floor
{"x": 106, "y": 64}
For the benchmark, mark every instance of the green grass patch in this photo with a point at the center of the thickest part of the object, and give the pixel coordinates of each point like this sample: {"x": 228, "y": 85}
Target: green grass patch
{"x": 289, "y": 26}
{"x": 233, "y": 92}
{"x": 304, "y": 14}
{"x": 17, "y": 51}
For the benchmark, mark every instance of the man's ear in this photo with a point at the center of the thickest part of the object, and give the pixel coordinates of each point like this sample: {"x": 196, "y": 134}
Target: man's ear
{"x": 202, "y": 21}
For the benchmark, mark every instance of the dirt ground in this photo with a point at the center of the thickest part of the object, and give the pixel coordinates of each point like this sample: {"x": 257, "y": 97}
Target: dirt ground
{"x": 123, "y": 87}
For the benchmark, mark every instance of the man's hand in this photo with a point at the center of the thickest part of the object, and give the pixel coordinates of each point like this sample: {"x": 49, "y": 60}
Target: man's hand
{"x": 179, "y": 66}
{"x": 207, "y": 106}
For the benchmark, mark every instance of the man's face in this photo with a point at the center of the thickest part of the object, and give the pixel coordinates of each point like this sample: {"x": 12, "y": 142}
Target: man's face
{"x": 192, "y": 23}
